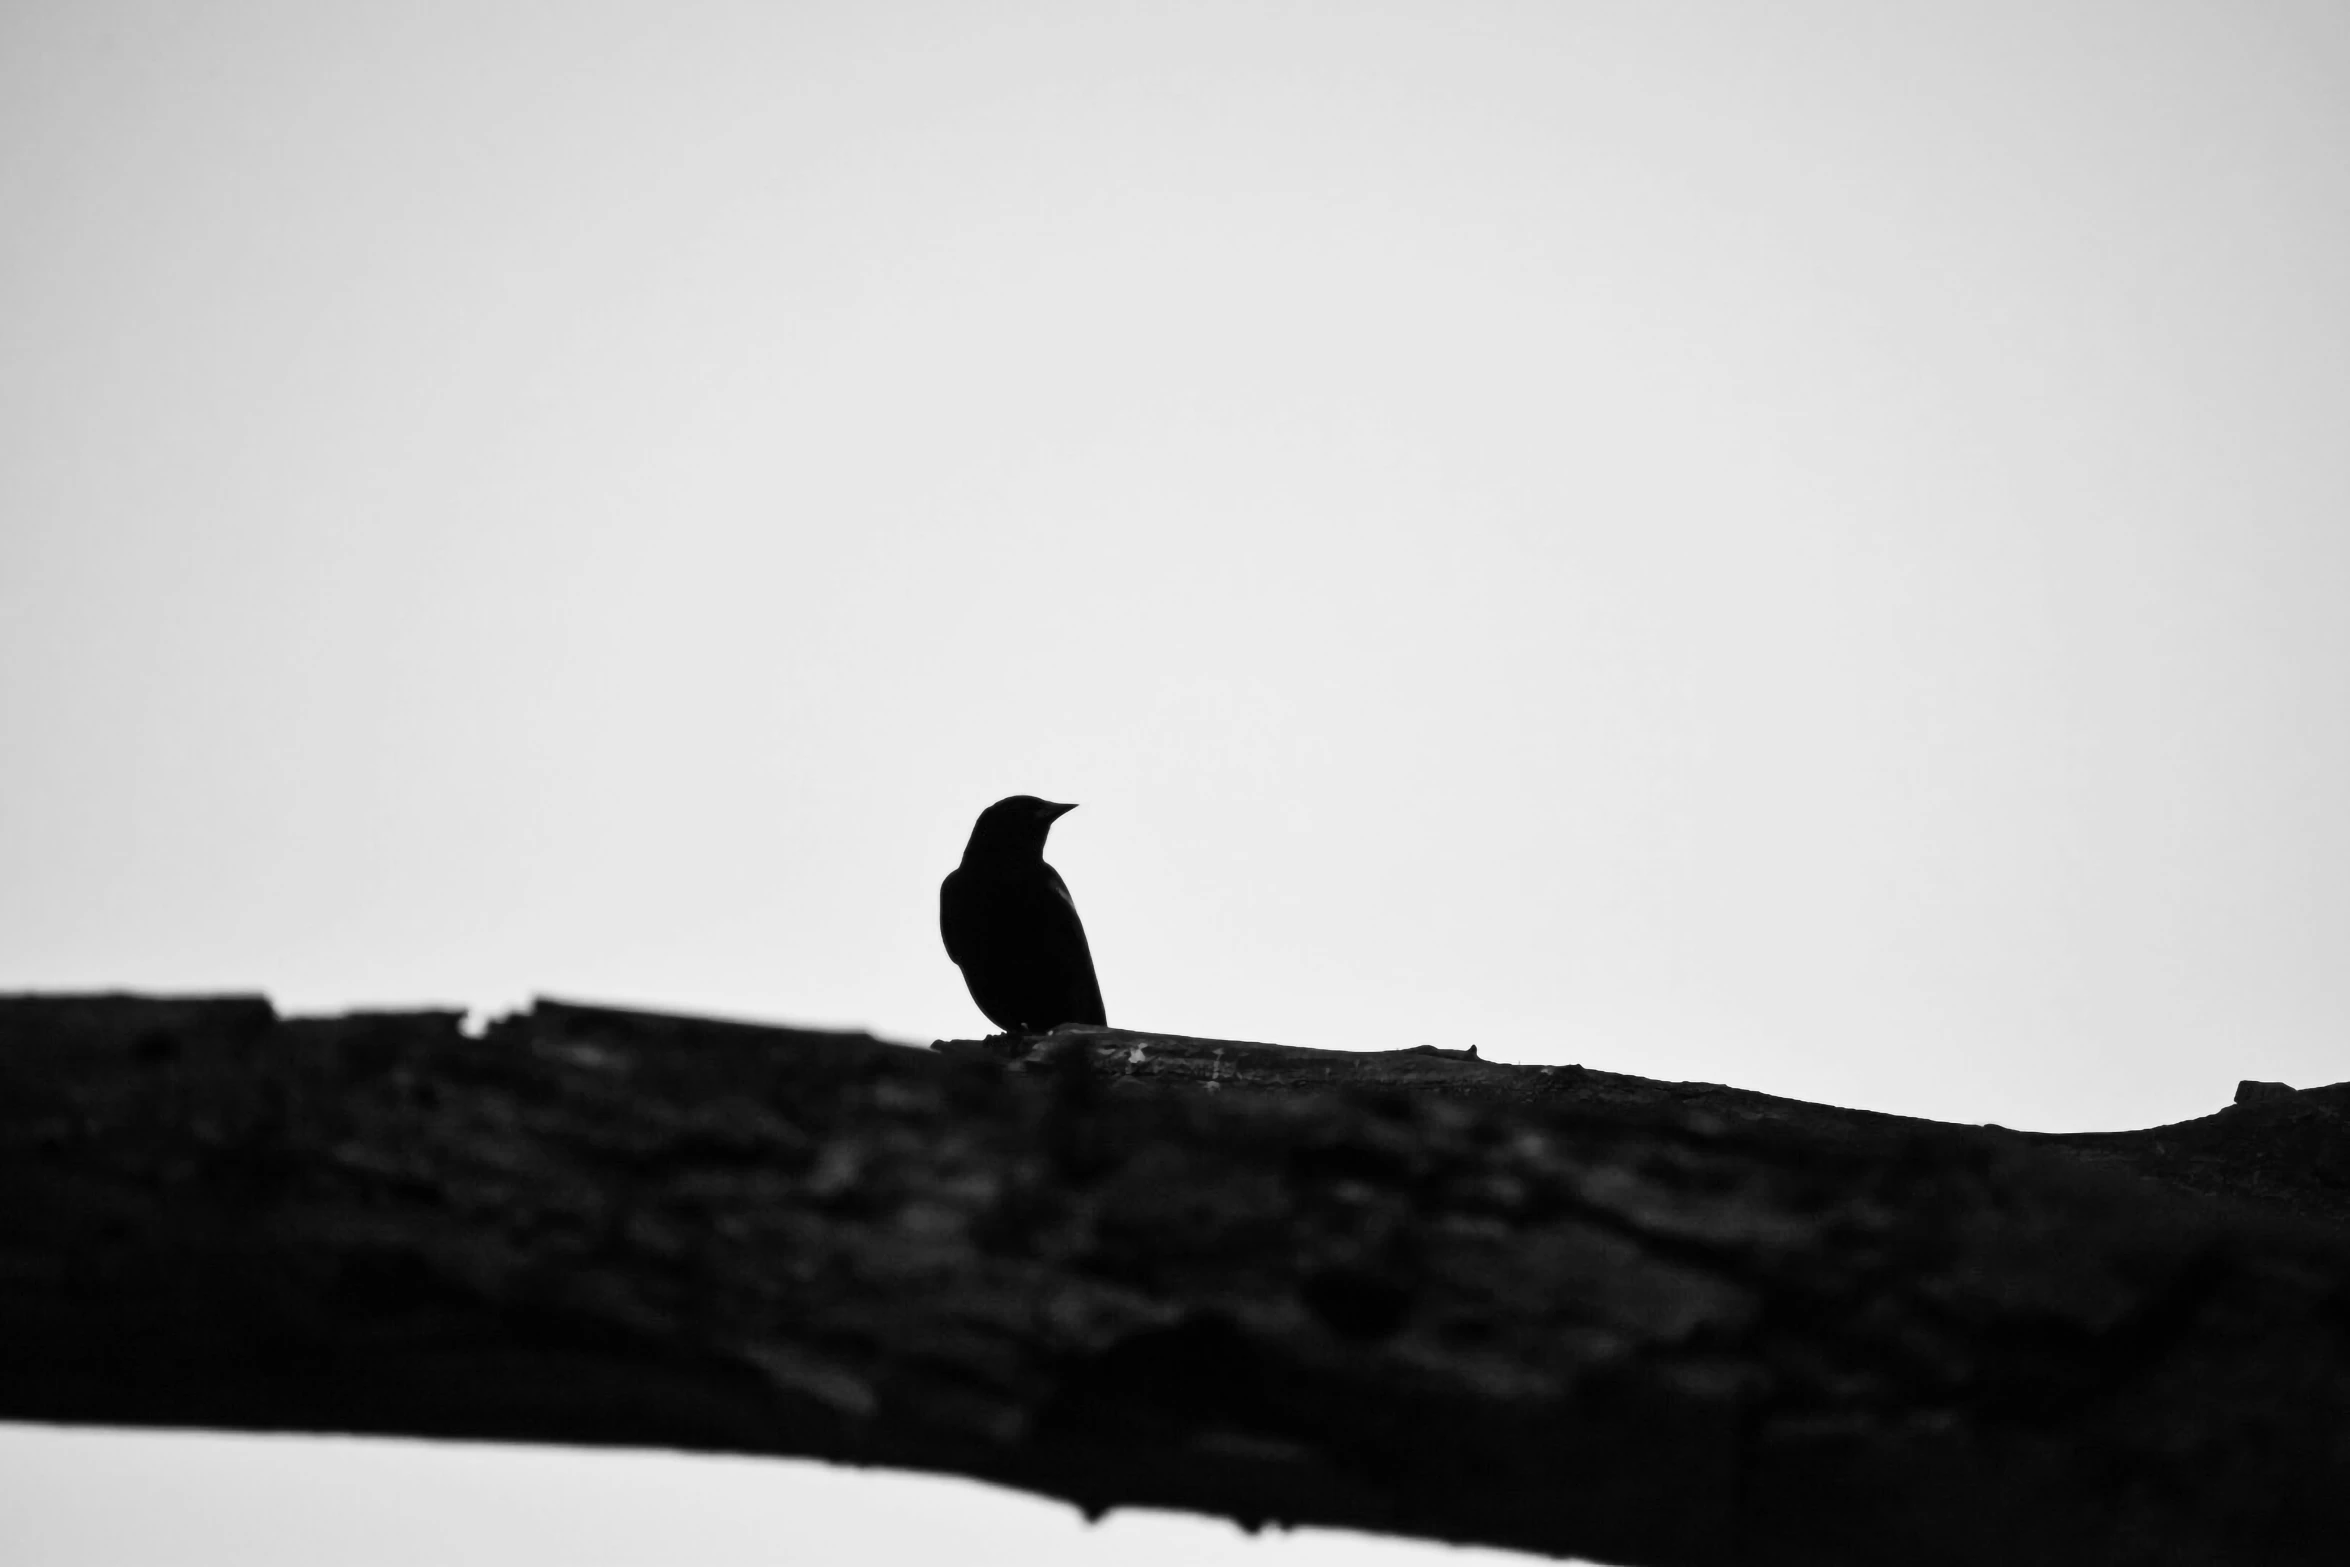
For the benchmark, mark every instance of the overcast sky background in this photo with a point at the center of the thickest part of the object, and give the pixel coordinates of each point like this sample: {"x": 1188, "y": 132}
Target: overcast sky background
{"x": 1800, "y": 546}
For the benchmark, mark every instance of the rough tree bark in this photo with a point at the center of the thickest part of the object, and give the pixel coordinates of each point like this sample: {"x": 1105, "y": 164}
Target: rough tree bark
{"x": 1416, "y": 1293}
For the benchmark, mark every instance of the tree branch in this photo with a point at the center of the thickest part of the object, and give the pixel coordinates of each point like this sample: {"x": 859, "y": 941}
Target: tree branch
{"x": 1415, "y": 1293}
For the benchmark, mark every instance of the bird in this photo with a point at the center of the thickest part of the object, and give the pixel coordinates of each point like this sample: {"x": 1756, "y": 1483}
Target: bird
{"x": 1011, "y": 926}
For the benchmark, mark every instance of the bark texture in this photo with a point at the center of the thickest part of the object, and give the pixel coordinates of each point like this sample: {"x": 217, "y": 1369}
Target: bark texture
{"x": 1415, "y": 1293}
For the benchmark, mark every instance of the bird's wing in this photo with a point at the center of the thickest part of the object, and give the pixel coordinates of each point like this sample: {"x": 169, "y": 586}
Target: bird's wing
{"x": 954, "y": 918}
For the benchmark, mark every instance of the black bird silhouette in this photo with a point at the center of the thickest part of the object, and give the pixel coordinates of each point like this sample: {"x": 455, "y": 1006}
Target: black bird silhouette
{"x": 1012, "y": 927}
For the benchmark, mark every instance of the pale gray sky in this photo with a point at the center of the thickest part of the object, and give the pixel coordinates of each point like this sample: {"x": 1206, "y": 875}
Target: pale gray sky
{"x": 1800, "y": 545}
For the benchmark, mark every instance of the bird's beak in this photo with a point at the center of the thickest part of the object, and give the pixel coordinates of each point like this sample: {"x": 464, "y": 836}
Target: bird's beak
{"x": 1053, "y": 813}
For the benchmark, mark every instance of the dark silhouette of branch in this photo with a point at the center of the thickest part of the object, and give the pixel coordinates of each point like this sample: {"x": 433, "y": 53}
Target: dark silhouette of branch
{"x": 1414, "y": 1292}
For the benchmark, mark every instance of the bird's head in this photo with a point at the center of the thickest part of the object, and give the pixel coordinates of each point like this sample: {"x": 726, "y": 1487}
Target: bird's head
{"x": 1015, "y": 825}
